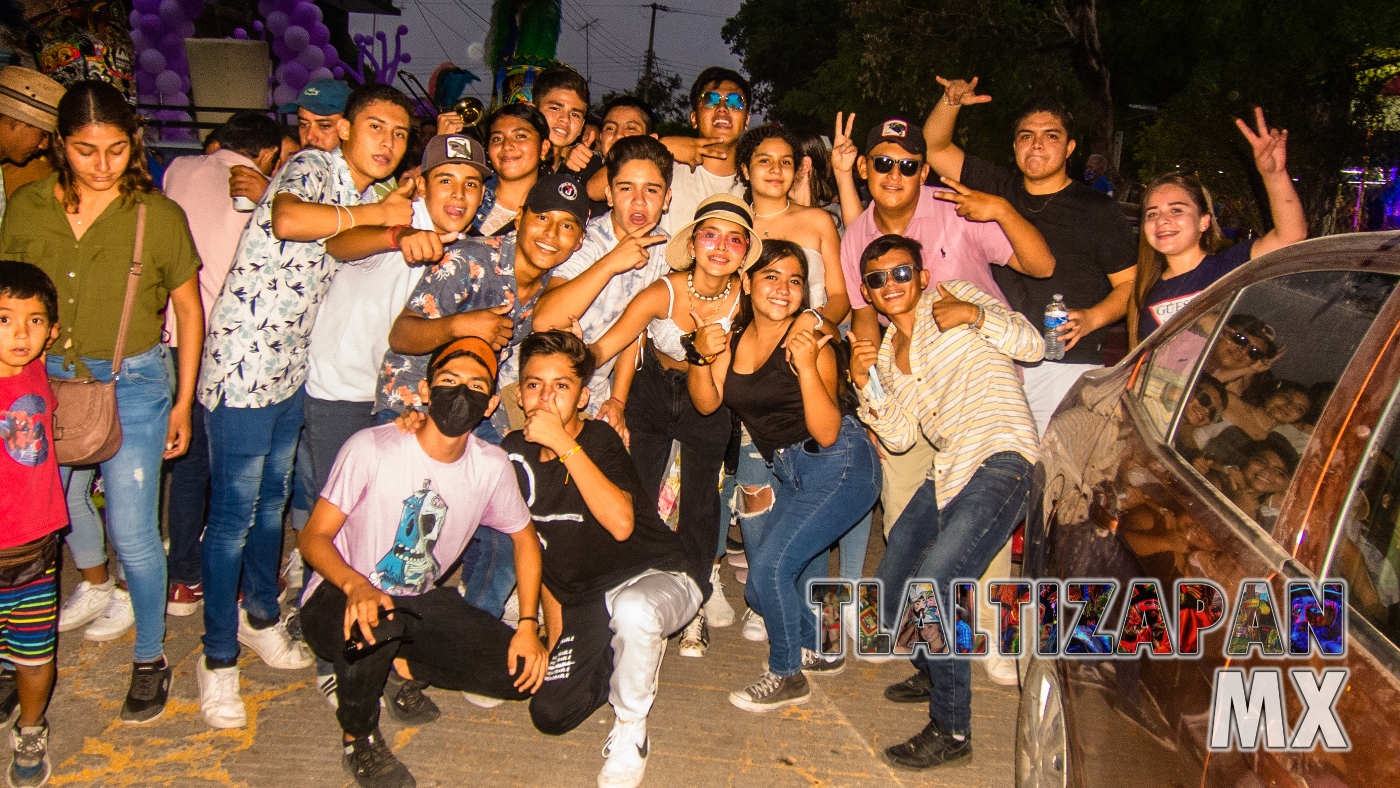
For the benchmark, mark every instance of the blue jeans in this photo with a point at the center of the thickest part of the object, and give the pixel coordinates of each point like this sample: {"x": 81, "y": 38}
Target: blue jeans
{"x": 488, "y": 566}
{"x": 189, "y": 499}
{"x": 821, "y": 493}
{"x": 250, "y": 468}
{"x": 131, "y": 484}
{"x": 754, "y": 471}
{"x": 955, "y": 543}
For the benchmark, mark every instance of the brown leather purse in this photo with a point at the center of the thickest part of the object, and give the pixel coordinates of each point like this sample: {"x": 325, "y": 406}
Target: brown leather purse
{"x": 87, "y": 429}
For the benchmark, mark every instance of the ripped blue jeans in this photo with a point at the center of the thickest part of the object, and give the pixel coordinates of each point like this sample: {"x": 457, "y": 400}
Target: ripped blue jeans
{"x": 131, "y": 487}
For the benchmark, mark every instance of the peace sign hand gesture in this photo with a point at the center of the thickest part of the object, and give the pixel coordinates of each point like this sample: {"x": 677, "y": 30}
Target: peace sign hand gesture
{"x": 1269, "y": 144}
{"x": 843, "y": 150}
{"x": 633, "y": 251}
{"x": 961, "y": 93}
{"x": 973, "y": 205}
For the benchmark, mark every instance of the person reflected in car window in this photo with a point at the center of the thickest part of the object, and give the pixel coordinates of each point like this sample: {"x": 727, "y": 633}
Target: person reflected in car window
{"x": 1206, "y": 405}
{"x": 1246, "y": 348}
{"x": 1257, "y": 486}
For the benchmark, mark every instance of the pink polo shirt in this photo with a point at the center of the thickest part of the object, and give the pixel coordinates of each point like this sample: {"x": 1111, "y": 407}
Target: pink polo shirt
{"x": 954, "y": 248}
{"x": 199, "y": 184}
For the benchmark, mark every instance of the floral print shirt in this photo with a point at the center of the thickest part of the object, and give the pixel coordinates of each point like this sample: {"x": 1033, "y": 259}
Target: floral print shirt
{"x": 475, "y": 273}
{"x": 260, "y": 325}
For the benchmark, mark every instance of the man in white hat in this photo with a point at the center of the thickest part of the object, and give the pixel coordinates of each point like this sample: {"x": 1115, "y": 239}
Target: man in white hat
{"x": 28, "y": 116}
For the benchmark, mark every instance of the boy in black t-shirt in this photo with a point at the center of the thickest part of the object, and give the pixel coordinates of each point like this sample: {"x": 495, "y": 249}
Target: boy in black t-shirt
{"x": 616, "y": 581}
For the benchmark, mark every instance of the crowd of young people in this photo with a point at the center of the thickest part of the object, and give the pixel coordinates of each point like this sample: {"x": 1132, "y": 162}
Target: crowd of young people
{"x": 520, "y": 332}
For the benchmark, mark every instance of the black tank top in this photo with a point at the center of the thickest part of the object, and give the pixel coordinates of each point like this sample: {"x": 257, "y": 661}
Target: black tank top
{"x": 768, "y": 401}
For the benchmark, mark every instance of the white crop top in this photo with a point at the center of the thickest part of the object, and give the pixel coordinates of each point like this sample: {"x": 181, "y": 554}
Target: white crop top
{"x": 666, "y": 335}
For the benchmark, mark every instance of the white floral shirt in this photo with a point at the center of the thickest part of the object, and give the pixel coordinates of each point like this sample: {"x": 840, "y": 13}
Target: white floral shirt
{"x": 260, "y": 325}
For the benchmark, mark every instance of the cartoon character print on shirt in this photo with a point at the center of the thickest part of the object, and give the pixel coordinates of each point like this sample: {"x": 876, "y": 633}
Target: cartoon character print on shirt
{"x": 410, "y": 567}
{"x": 26, "y": 440}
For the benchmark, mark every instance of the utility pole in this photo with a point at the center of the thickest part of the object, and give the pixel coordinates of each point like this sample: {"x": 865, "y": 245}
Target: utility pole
{"x": 650, "y": 72}
{"x": 587, "y": 48}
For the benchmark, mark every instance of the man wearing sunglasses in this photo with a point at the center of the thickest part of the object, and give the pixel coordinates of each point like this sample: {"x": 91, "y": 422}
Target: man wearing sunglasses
{"x": 719, "y": 102}
{"x": 962, "y": 234}
{"x": 946, "y": 368}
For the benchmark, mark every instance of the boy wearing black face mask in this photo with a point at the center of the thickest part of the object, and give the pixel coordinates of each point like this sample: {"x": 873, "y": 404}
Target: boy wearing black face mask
{"x": 396, "y": 513}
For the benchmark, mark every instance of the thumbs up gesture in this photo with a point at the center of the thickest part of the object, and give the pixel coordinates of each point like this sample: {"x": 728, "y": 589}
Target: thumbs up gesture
{"x": 397, "y": 206}
{"x": 949, "y": 312}
{"x": 710, "y": 340}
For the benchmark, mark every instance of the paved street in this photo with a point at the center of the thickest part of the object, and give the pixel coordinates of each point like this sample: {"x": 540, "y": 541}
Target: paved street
{"x": 697, "y": 737}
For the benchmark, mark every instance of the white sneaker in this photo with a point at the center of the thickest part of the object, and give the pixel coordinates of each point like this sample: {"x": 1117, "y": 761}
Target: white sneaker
{"x": 273, "y": 645}
{"x": 85, "y": 605}
{"x": 695, "y": 638}
{"x": 219, "y": 701}
{"x": 626, "y": 751}
{"x": 481, "y": 701}
{"x": 754, "y": 628}
{"x": 292, "y": 571}
{"x": 1001, "y": 670}
{"x": 718, "y": 611}
{"x": 115, "y": 620}
{"x": 327, "y": 685}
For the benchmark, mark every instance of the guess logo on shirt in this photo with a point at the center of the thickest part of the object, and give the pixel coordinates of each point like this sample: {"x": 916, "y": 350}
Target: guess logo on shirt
{"x": 1162, "y": 311}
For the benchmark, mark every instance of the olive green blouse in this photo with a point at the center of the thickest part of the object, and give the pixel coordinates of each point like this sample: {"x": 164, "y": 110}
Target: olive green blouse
{"x": 91, "y": 273}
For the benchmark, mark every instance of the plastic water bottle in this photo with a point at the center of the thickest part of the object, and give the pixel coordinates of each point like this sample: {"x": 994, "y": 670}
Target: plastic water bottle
{"x": 1055, "y": 316}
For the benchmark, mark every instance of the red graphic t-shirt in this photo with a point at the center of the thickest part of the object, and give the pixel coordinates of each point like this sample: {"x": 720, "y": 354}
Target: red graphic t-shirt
{"x": 31, "y": 495}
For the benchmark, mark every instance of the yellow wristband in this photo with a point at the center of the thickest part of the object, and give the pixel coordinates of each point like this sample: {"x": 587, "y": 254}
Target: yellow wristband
{"x": 571, "y": 452}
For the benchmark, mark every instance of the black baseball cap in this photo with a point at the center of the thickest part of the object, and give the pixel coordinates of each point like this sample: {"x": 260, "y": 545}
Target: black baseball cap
{"x": 555, "y": 192}
{"x": 909, "y": 136}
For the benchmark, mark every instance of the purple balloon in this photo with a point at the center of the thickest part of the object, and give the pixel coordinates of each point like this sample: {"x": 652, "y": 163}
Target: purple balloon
{"x": 153, "y": 61}
{"x": 403, "y": 30}
{"x": 171, "y": 44}
{"x": 186, "y": 29}
{"x": 305, "y": 14}
{"x": 320, "y": 34}
{"x": 322, "y": 73}
{"x": 332, "y": 56}
{"x": 284, "y": 95}
{"x": 277, "y": 22}
{"x": 312, "y": 57}
{"x": 146, "y": 6}
{"x": 240, "y": 34}
{"x": 152, "y": 26}
{"x": 168, "y": 84}
{"x": 296, "y": 37}
{"x": 138, "y": 40}
{"x": 171, "y": 12}
{"x": 184, "y": 84}
{"x": 282, "y": 51}
{"x": 338, "y": 72}
{"x": 294, "y": 74}
{"x": 134, "y": 19}
{"x": 146, "y": 98}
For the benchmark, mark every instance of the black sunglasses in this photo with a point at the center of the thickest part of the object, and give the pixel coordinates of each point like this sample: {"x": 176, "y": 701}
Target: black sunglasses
{"x": 1203, "y": 399}
{"x": 1252, "y": 350}
{"x": 907, "y": 167}
{"x": 900, "y": 273}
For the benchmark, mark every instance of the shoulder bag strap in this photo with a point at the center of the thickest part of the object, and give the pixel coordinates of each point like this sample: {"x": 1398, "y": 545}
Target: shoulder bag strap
{"x": 131, "y": 282}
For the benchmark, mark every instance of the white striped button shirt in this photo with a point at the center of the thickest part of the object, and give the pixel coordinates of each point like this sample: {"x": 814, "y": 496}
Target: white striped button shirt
{"x": 963, "y": 390}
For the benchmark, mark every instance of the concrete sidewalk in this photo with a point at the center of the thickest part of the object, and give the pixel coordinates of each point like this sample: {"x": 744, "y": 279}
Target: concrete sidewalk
{"x": 697, "y": 738}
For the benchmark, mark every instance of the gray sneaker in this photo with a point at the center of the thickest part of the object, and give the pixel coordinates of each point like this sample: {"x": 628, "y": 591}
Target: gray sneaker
{"x": 30, "y": 767}
{"x": 772, "y": 692}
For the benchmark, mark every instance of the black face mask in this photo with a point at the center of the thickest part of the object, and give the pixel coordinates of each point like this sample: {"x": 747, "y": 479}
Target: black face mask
{"x": 456, "y": 410}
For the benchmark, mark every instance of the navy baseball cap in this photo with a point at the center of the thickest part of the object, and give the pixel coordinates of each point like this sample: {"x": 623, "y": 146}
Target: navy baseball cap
{"x": 320, "y": 97}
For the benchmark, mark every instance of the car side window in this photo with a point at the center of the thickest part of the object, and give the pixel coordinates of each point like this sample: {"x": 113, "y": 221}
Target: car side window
{"x": 1166, "y": 378}
{"x": 1367, "y": 548}
{"x": 1266, "y": 378}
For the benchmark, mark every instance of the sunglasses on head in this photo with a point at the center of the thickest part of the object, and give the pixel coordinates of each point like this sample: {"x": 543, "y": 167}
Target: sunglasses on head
{"x": 900, "y": 274}
{"x": 711, "y": 99}
{"x": 907, "y": 167}
{"x": 1252, "y": 350}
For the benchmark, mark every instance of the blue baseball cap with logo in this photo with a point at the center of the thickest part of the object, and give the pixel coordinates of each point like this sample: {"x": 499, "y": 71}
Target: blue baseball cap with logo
{"x": 320, "y": 97}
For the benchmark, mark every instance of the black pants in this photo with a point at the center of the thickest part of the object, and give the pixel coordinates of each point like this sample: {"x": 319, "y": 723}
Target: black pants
{"x": 659, "y": 410}
{"x": 450, "y": 645}
{"x": 189, "y": 501}
{"x": 580, "y": 667}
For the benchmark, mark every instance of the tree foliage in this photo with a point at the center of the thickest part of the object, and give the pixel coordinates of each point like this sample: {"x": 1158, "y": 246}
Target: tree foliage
{"x": 1159, "y": 83}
